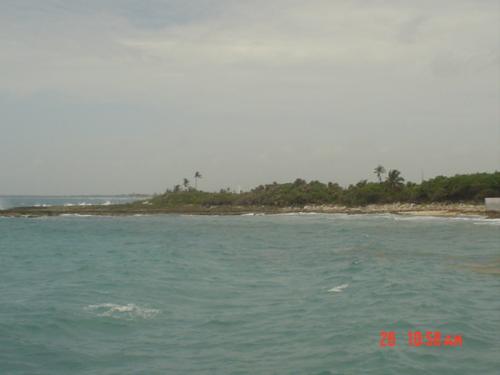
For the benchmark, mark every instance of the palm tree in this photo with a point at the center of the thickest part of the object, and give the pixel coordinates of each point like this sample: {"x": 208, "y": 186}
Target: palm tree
{"x": 197, "y": 175}
{"x": 394, "y": 179}
{"x": 185, "y": 183}
{"x": 379, "y": 171}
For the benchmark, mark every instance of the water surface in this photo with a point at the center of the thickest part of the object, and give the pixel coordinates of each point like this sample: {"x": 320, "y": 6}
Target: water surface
{"x": 279, "y": 294}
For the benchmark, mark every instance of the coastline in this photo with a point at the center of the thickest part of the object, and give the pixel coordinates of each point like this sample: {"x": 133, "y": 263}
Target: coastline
{"x": 138, "y": 208}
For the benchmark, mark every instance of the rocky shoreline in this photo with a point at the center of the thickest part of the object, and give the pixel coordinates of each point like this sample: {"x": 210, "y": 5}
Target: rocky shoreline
{"x": 432, "y": 209}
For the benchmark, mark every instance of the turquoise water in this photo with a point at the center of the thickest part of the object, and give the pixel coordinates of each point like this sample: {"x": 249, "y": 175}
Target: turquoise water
{"x": 285, "y": 294}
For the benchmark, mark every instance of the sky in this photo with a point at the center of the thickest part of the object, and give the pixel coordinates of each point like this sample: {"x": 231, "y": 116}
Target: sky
{"x": 121, "y": 96}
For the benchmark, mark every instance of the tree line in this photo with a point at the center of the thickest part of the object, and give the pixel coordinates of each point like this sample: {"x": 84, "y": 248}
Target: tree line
{"x": 390, "y": 188}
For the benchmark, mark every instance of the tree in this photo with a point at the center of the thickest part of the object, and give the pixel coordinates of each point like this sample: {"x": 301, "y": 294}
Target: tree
{"x": 177, "y": 188}
{"x": 185, "y": 183}
{"x": 299, "y": 182}
{"x": 379, "y": 171}
{"x": 394, "y": 179}
{"x": 197, "y": 175}
{"x": 361, "y": 183}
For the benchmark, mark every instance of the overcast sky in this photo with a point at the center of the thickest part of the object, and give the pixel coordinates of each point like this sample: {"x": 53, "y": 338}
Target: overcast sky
{"x": 118, "y": 96}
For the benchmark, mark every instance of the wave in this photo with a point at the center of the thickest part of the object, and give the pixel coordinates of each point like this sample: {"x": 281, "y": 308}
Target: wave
{"x": 76, "y": 215}
{"x": 338, "y": 289}
{"x": 476, "y": 220}
{"x": 128, "y": 311}
{"x": 77, "y": 204}
{"x": 488, "y": 222}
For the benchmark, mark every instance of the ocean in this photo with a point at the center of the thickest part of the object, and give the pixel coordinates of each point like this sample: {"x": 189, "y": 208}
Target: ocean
{"x": 10, "y": 201}
{"x": 264, "y": 294}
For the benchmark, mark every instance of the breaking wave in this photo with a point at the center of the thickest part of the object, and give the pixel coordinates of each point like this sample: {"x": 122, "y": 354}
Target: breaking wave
{"x": 338, "y": 289}
{"x": 128, "y": 311}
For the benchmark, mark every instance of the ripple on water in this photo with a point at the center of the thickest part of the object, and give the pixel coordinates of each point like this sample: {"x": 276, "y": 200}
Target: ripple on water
{"x": 128, "y": 311}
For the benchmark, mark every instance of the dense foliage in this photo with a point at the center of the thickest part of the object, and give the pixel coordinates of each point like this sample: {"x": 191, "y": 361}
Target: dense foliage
{"x": 459, "y": 188}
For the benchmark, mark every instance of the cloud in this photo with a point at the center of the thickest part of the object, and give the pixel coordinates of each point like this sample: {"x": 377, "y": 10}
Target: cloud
{"x": 78, "y": 47}
{"x": 310, "y": 86}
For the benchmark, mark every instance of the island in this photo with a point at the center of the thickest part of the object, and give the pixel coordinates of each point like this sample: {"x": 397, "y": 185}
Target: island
{"x": 440, "y": 196}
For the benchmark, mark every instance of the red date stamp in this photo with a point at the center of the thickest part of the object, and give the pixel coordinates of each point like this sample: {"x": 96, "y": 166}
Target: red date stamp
{"x": 418, "y": 338}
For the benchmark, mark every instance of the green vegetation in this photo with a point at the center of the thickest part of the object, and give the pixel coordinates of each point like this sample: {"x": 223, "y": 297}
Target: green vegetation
{"x": 379, "y": 171}
{"x": 294, "y": 196}
{"x": 197, "y": 175}
{"x": 471, "y": 188}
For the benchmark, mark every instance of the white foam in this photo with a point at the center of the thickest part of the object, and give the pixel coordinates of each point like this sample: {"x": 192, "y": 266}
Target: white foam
{"x": 76, "y": 215}
{"x": 475, "y": 219}
{"x": 488, "y": 222}
{"x": 338, "y": 289}
{"x": 128, "y": 311}
{"x": 284, "y": 214}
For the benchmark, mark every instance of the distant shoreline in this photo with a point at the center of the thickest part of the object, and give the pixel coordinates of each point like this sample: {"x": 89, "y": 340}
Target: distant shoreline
{"x": 76, "y": 195}
{"x": 432, "y": 209}
{"x": 439, "y": 196}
